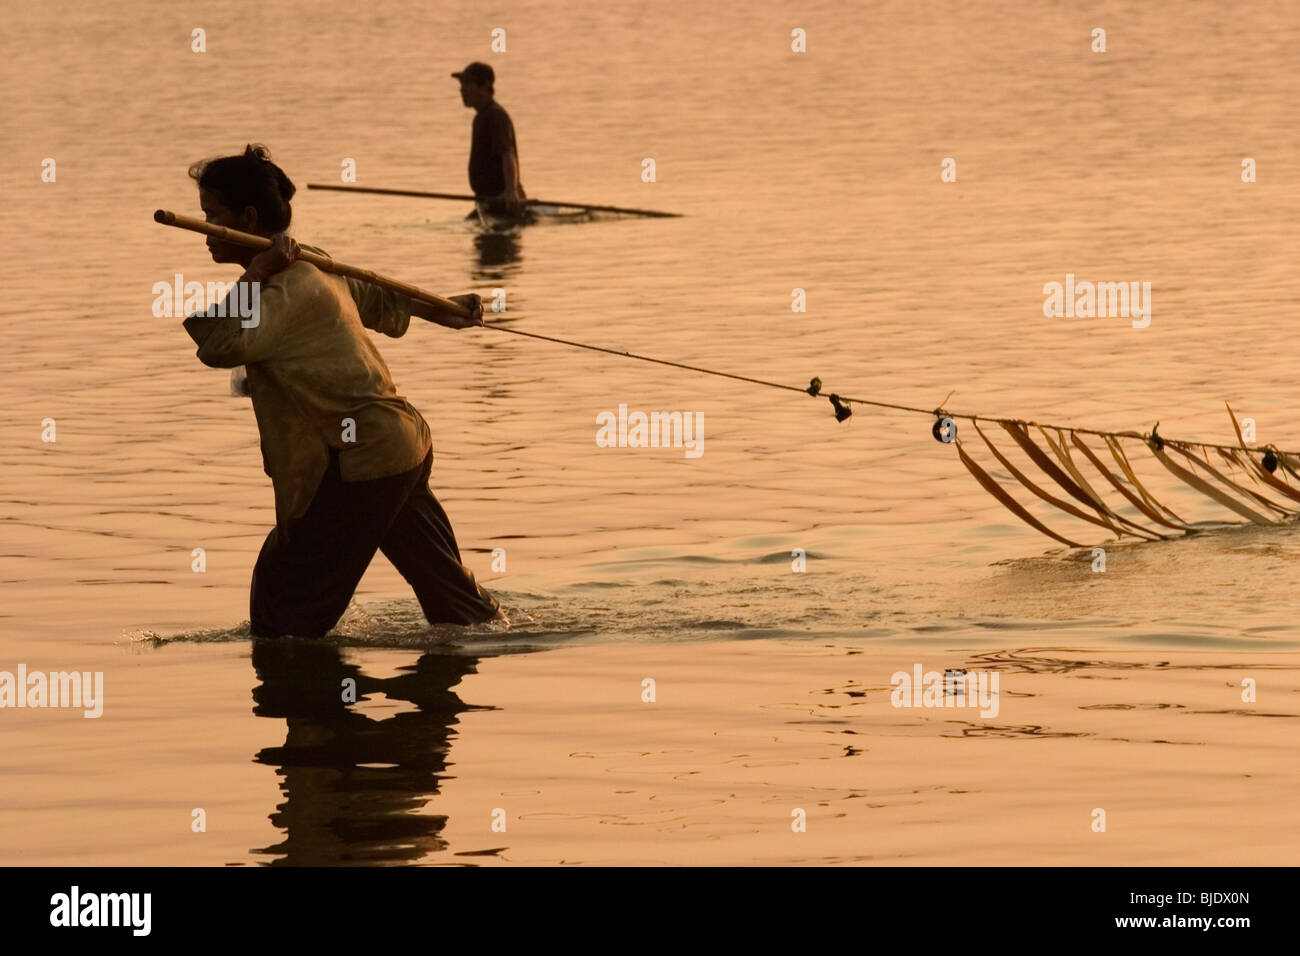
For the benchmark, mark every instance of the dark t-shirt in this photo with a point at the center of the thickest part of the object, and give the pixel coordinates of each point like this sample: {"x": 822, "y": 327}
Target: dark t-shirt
{"x": 493, "y": 137}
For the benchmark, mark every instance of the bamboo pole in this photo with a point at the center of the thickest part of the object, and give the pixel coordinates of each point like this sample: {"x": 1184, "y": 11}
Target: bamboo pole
{"x": 324, "y": 263}
{"x": 467, "y": 198}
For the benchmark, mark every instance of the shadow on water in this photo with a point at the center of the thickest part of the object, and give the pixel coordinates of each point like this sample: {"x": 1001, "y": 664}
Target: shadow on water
{"x": 354, "y": 784}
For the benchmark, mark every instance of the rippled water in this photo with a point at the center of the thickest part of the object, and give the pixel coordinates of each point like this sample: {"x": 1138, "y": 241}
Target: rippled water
{"x": 817, "y": 171}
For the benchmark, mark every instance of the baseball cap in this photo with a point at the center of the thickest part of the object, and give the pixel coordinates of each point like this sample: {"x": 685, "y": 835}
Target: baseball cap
{"x": 479, "y": 73}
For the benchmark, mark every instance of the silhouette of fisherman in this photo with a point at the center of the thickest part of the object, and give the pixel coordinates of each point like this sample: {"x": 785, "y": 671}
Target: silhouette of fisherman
{"x": 348, "y": 457}
{"x": 494, "y": 153}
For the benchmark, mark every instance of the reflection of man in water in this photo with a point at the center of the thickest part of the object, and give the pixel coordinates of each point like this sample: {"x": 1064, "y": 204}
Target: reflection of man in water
{"x": 493, "y": 154}
{"x": 352, "y": 784}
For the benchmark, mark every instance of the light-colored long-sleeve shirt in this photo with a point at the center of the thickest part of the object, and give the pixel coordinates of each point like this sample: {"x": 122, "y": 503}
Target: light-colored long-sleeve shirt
{"x": 318, "y": 382}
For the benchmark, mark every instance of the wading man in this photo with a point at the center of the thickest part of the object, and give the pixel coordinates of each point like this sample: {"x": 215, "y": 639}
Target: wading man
{"x": 349, "y": 458}
{"x": 493, "y": 154}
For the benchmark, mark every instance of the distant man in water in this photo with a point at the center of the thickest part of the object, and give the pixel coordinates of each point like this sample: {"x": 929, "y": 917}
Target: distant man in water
{"x": 493, "y": 154}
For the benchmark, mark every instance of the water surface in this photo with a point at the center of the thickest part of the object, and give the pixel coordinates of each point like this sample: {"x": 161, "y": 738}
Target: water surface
{"x": 817, "y": 171}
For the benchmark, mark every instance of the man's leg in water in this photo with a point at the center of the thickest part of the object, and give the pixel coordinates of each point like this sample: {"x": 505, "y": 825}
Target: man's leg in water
{"x": 303, "y": 580}
{"x": 422, "y": 546}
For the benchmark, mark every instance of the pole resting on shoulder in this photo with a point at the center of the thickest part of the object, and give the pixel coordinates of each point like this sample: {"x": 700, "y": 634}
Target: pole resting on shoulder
{"x": 322, "y": 262}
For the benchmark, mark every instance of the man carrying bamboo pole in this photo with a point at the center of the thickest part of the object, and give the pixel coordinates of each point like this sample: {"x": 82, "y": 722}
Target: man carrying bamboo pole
{"x": 349, "y": 459}
{"x": 493, "y": 154}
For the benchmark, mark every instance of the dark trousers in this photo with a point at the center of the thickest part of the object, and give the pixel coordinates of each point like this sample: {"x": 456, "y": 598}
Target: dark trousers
{"x": 307, "y": 572}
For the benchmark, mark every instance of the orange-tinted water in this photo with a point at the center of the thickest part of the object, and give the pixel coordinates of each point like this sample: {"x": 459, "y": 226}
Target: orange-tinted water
{"x": 818, "y": 171}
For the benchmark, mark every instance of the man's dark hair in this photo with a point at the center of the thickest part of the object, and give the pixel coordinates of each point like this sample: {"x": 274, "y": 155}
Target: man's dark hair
{"x": 249, "y": 179}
